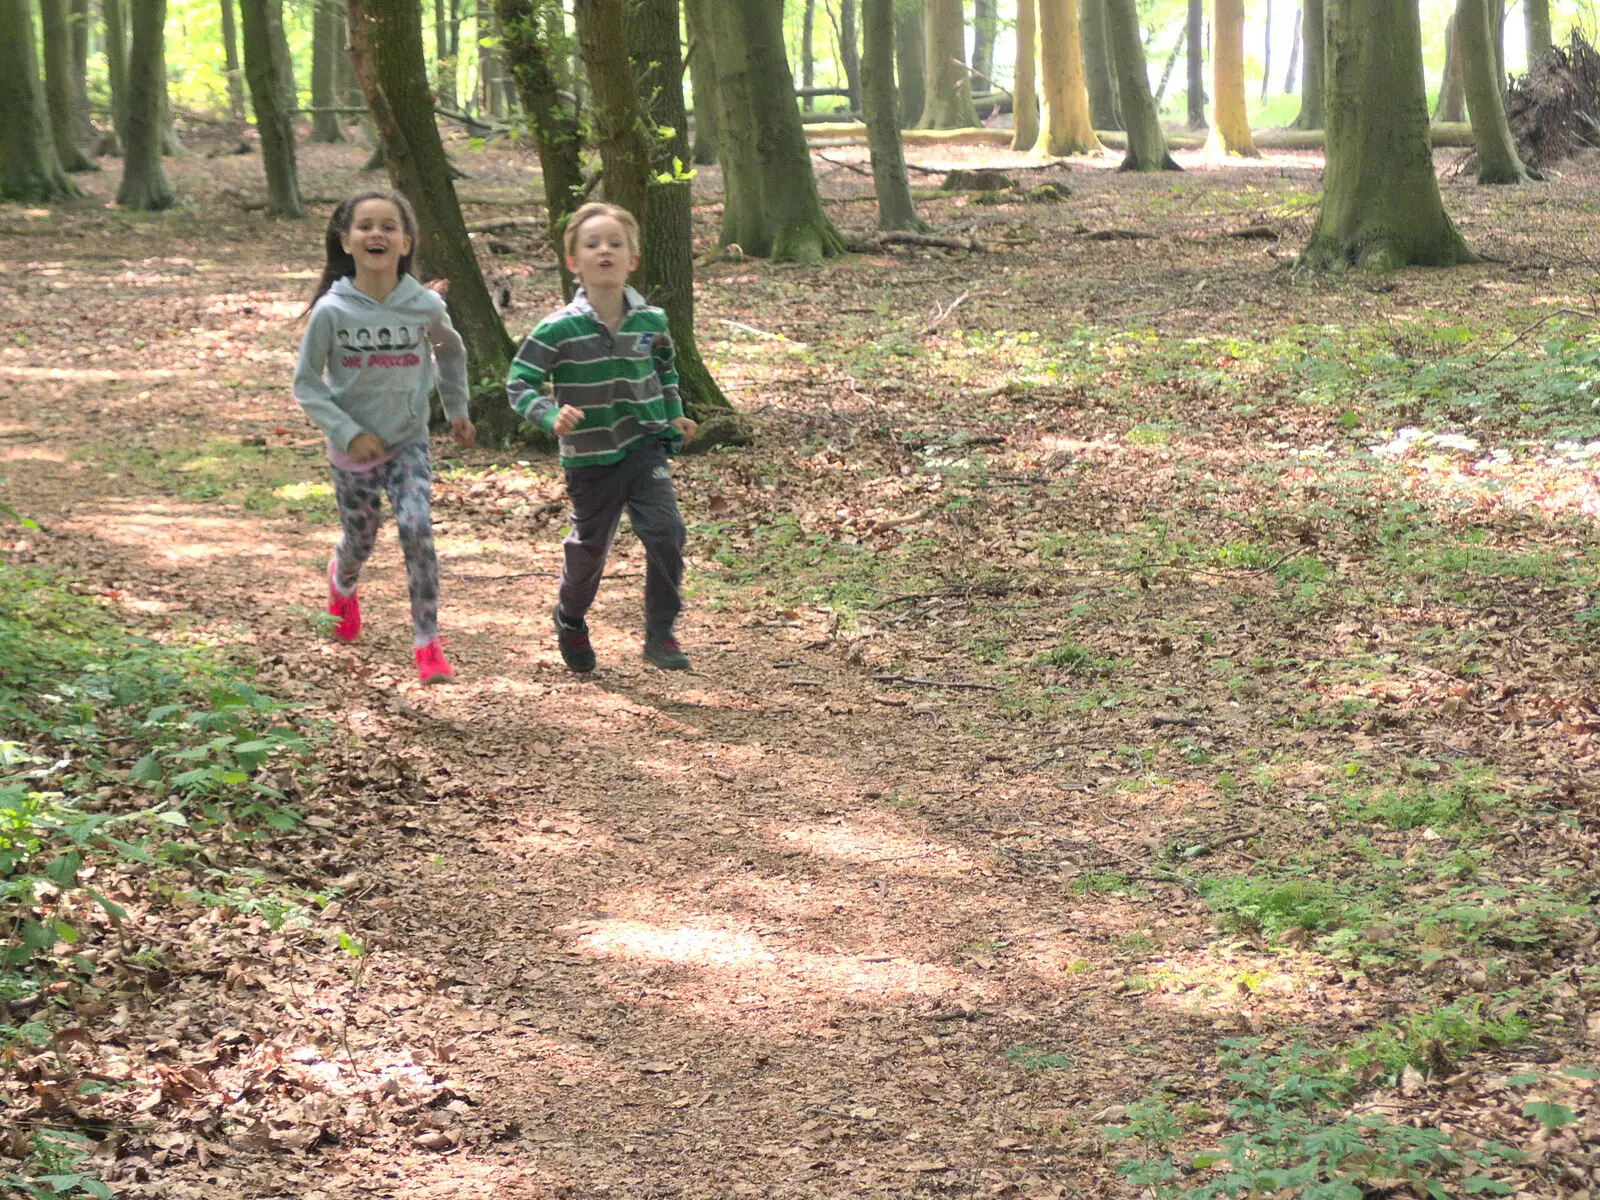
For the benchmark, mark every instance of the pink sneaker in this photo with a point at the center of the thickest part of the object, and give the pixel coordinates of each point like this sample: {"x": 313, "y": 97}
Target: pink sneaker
{"x": 431, "y": 664}
{"x": 346, "y": 608}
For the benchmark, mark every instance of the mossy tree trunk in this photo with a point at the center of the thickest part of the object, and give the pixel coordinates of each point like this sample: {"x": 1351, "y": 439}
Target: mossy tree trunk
{"x": 702, "y": 84}
{"x": 985, "y": 21}
{"x": 1313, "y": 67}
{"x": 144, "y": 180}
{"x": 1380, "y": 206}
{"x": 1068, "y": 129}
{"x": 1536, "y": 19}
{"x": 282, "y": 57}
{"x": 1197, "y": 64}
{"x": 386, "y": 48}
{"x": 889, "y": 178}
{"x": 117, "y": 66}
{"x": 230, "y": 58}
{"x": 808, "y": 52}
{"x": 1230, "y": 120}
{"x": 82, "y": 19}
{"x": 947, "y": 100}
{"x": 1452, "y": 103}
{"x": 325, "y": 125}
{"x": 850, "y": 52}
{"x": 1024, "y": 96}
{"x": 59, "y": 100}
{"x": 30, "y": 168}
{"x": 272, "y": 119}
{"x": 1147, "y": 145}
{"x": 1497, "y": 153}
{"x": 1099, "y": 71}
{"x": 908, "y": 65}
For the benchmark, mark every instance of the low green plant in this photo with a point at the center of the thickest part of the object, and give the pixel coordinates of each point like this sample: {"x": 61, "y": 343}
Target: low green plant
{"x": 1031, "y": 1059}
{"x": 1076, "y": 659}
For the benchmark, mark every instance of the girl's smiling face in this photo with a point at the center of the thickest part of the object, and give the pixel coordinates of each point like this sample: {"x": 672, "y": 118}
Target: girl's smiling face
{"x": 602, "y": 257}
{"x": 377, "y": 238}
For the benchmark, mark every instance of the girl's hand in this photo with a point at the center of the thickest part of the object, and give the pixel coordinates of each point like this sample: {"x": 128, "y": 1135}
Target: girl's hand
{"x": 568, "y": 419}
{"x": 463, "y": 430}
{"x": 686, "y": 427}
{"x": 365, "y": 447}
{"x": 442, "y": 286}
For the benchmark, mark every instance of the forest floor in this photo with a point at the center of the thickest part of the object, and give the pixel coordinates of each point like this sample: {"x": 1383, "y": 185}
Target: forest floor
{"x": 1134, "y": 687}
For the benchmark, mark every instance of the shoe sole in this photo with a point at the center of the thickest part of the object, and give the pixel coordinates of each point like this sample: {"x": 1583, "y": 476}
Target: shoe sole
{"x": 433, "y": 679}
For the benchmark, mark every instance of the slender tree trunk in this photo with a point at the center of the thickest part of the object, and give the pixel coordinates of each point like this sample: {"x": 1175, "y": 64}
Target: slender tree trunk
{"x": 850, "y": 52}
{"x": 117, "y": 67}
{"x": 1172, "y": 62}
{"x": 386, "y": 48}
{"x": 909, "y": 70}
{"x": 1024, "y": 97}
{"x": 58, "y": 84}
{"x": 30, "y": 167}
{"x": 283, "y": 59}
{"x": 1230, "y": 120}
{"x": 349, "y": 88}
{"x": 1147, "y": 145}
{"x": 324, "y": 51}
{"x": 1536, "y": 17}
{"x": 948, "y": 100}
{"x": 485, "y": 69}
{"x": 702, "y": 84}
{"x": 1497, "y": 153}
{"x": 272, "y": 118}
{"x": 1497, "y": 33}
{"x": 1068, "y": 129}
{"x": 889, "y": 178}
{"x": 499, "y": 100}
{"x": 1313, "y": 66}
{"x": 1380, "y": 205}
{"x": 771, "y": 206}
{"x": 1266, "y": 52}
{"x": 1452, "y": 102}
{"x": 985, "y": 21}
{"x": 171, "y": 143}
{"x": 1197, "y": 64}
{"x": 1099, "y": 77}
{"x": 1294, "y": 56}
{"x": 230, "y": 58}
{"x": 144, "y": 180}
{"x": 808, "y": 52}
{"x": 82, "y": 34}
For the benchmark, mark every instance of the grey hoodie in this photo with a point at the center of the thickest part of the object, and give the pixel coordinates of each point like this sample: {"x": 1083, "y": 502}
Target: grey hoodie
{"x": 368, "y": 364}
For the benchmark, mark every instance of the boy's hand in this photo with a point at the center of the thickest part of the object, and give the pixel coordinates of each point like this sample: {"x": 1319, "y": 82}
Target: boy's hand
{"x": 464, "y": 431}
{"x": 365, "y": 447}
{"x": 442, "y": 286}
{"x": 686, "y": 427}
{"x": 568, "y": 419}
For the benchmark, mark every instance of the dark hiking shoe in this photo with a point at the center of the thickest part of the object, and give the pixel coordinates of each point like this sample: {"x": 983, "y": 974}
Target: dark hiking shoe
{"x": 576, "y": 651}
{"x": 665, "y": 652}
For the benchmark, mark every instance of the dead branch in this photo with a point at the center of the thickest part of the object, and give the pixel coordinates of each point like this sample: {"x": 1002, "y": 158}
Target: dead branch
{"x": 943, "y": 314}
{"x": 1550, "y": 316}
{"x": 501, "y": 224}
{"x": 896, "y": 237}
{"x": 913, "y": 681}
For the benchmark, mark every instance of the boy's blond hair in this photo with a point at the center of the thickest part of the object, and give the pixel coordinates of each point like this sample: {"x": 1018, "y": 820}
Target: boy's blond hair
{"x": 597, "y": 208}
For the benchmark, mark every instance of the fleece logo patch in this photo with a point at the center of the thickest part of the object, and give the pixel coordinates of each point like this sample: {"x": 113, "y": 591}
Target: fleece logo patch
{"x": 646, "y": 340}
{"x": 661, "y": 472}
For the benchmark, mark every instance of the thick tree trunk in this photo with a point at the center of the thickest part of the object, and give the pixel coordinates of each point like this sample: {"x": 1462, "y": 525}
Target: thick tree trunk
{"x": 1497, "y": 153}
{"x": 1024, "y": 96}
{"x": 386, "y": 48}
{"x": 282, "y": 59}
{"x": 1197, "y": 64}
{"x": 30, "y": 168}
{"x": 1289, "y": 79}
{"x": 1536, "y": 18}
{"x": 771, "y": 206}
{"x": 117, "y": 67}
{"x": 908, "y": 65}
{"x": 1068, "y": 129}
{"x": 850, "y": 52}
{"x": 82, "y": 17}
{"x": 551, "y": 116}
{"x": 1099, "y": 77}
{"x": 1230, "y": 121}
{"x": 1380, "y": 206}
{"x": 947, "y": 103}
{"x": 324, "y": 49}
{"x": 144, "y": 180}
{"x": 1452, "y": 102}
{"x": 985, "y": 21}
{"x": 1147, "y": 145}
{"x": 272, "y": 118}
{"x": 889, "y": 178}
{"x": 230, "y": 58}
{"x": 58, "y": 84}
{"x": 1314, "y": 66}
{"x": 702, "y": 84}
{"x": 617, "y": 122}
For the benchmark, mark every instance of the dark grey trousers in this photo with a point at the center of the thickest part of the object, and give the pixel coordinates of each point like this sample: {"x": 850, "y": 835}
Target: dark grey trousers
{"x": 641, "y": 484}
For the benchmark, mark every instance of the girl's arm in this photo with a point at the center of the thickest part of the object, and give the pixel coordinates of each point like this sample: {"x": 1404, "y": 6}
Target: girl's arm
{"x": 450, "y": 352}
{"x": 311, "y": 388}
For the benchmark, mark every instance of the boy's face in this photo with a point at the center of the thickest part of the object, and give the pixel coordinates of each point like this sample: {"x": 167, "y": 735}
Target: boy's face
{"x": 602, "y": 257}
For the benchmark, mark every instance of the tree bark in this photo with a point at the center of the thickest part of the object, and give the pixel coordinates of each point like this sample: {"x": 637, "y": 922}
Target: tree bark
{"x": 908, "y": 65}
{"x": 1172, "y": 61}
{"x": 1266, "y": 52}
{"x": 144, "y": 180}
{"x": 1294, "y": 54}
{"x": 30, "y": 167}
{"x": 702, "y": 84}
{"x": 1197, "y": 64}
{"x": 282, "y": 58}
{"x": 889, "y": 178}
{"x": 272, "y": 118}
{"x": 850, "y": 52}
{"x": 947, "y": 103}
{"x": 1230, "y": 121}
{"x": 1380, "y": 207}
{"x": 1024, "y": 97}
{"x": 1536, "y": 18}
{"x": 1497, "y": 153}
{"x": 499, "y": 93}
{"x": 1068, "y": 129}
{"x": 386, "y": 48}
{"x": 324, "y": 48}
{"x": 1147, "y": 145}
{"x": 1313, "y": 67}
{"x": 985, "y": 21}
{"x": 1099, "y": 77}
{"x": 117, "y": 67}
{"x": 808, "y": 52}
{"x": 58, "y": 85}
{"x": 616, "y": 119}
{"x": 552, "y": 117}
{"x": 771, "y": 206}
{"x": 230, "y": 58}
{"x": 1452, "y": 103}
{"x": 82, "y": 34}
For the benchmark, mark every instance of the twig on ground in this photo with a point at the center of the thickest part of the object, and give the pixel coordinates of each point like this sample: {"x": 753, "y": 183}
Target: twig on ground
{"x": 1550, "y": 316}
{"x": 968, "y": 591}
{"x": 740, "y": 325}
{"x": 847, "y": 166}
{"x": 943, "y": 314}
{"x": 914, "y": 681}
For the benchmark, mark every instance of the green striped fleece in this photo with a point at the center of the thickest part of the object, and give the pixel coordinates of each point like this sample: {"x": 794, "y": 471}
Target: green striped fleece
{"x": 624, "y": 382}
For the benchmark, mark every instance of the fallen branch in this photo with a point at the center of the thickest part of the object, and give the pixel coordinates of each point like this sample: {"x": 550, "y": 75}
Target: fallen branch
{"x": 989, "y": 589}
{"x": 896, "y": 237}
{"x": 943, "y": 314}
{"x": 759, "y": 332}
{"x": 1116, "y": 235}
{"x": 913, "y": 681}
{"x": 833, "y": 162}
{"x": 501, "y": 224}
{"x": 1560, "y": 312}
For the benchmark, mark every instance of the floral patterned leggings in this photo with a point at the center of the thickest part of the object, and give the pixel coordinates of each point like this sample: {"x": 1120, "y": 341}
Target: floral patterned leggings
{"x": 408, "y": 480}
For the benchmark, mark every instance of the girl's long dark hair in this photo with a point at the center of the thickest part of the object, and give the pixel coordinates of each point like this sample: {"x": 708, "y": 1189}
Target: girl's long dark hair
{"x": 340, "y": 264}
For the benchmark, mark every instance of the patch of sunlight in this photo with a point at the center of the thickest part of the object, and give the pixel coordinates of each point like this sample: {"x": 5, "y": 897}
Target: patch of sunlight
{"x": 605, "y": 713}
{"x": 92, "y": 375}
{"x": 307, "y": 490}
{"x": 894, "y": 852}
{"x": 1215, "y": 982}
{"x": 30, "y": 454}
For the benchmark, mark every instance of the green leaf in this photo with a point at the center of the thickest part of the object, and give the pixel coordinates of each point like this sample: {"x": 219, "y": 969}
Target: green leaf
{"x": 1549, "y": 1114}
{"x": 1523, "y": 1079}
{"x": 116, "y": 912}
{"x": 62, "y": 871}
{"x": 1481, "y": 1184}
{"x": 146, "y": 770}
{"x": 1580, "y": 1073}
{"x": 172, "y": 817}
{"x": 1201, "y": 1161}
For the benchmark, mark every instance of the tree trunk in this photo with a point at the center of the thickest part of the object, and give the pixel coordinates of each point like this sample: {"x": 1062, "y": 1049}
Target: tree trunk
{"x": 324, "y": 49}
{"x": 82, "y": 35}
{"x": 272, "y": 119}
{"x": 58, "y": 84}
{"x": 117, "y": 67}
{"x": 617, "y": 122}
{"x": 850, "y": 52}
{"x": 499, "y": 96}
{"x": 1230, "y": 122}
{"x": 1536, "y": 17}
{"x": 1380, "y": 206}
{"x": 1099, "y": 77}
{"x": 1497, "y": 153}
{"x": 771, "y": 206}
{"x": 1024, "y": 97}
{"x": 230, "y": 58}
{"x": 551, "y": 116}
{"x": 1197, "y": 64}
{"x": 1497, "y": 33}
{"x": 808, "y": 52}
{"x": 1313, "y": 66}
{"x": 1066, "y": 100}
{"x": 386, "y": 48}
{"x": 947, "y": 103}
{"x": 1452, "y": 102}
{"x": 1294, "y": 55}
{"x": 908, "y": 65}
{"x": 283, "y": 59}
{"x": 702, "y": 84}
{"x": 1147, "y": 145}
{"x": 666, "y": 222}
{"x": 889, "y": 178}
{"x": 144, "y": 180}
{"x": 348, "y": 87}
{"x": 1266, "y": 53}
{"x": 30, "y": 167}
{"x": 1172, "y": 61}
{"x": 985, "y": 21}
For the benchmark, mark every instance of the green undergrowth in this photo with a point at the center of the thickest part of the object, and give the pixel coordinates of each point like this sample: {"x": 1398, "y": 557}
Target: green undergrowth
{"x": 258, "y": 478}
